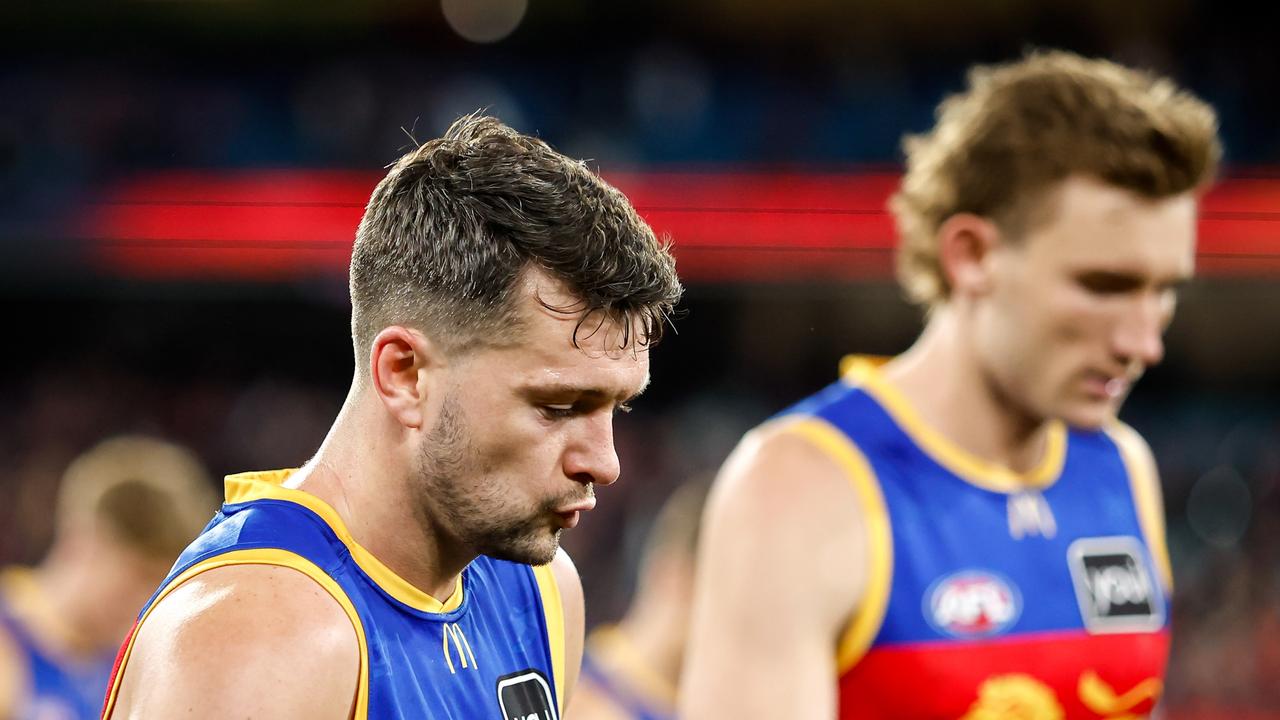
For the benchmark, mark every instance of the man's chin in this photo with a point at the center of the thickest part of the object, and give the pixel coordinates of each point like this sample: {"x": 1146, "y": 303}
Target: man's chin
{"x": 1091, "y": 415}
{"x": 529, "y": 550}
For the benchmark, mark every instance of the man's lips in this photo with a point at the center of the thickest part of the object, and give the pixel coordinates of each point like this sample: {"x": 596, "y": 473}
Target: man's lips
{"x": 570, "y": 514}
{"x": 1107, "y": 385}
{"x": 584, "y": 505}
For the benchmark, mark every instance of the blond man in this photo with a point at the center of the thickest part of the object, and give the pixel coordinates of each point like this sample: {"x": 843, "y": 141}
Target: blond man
{"x": 966, "y": 531}
{"x": 126, "y": 509}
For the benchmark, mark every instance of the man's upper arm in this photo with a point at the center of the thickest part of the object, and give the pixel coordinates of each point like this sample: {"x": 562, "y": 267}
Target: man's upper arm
{"x": 243, "y": 641}
{"x": 781, "y": 568}
{"x": 571, "y": 601}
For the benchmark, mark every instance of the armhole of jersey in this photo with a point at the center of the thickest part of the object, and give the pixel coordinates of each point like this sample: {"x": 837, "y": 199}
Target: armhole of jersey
{"x": 1144, "y": 484}
{"x": 865, "y": 624}
{"x": 259, "y": 556}
{"x": 553, "y": 611}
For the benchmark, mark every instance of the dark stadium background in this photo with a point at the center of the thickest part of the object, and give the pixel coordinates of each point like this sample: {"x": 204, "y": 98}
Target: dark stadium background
{"x": 178, "y": 182}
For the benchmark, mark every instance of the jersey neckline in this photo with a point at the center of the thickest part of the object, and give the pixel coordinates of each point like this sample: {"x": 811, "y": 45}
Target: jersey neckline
{"x": 269, "y": 485}
{"x": 863, "y": 372}
{"x": 617, "y": 660}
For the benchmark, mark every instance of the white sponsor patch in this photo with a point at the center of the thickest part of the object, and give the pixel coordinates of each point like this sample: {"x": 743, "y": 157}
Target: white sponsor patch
{"x": 526, "y": 695}
{"x": 1114, "y": 586}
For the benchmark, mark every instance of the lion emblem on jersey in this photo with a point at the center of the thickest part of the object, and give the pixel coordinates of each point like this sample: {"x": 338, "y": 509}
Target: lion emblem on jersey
{"x": 1015, "y": 697}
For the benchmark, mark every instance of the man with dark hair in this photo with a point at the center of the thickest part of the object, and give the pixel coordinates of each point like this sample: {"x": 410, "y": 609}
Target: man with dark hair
{"x": 126, "y": 508}
{"x": 968, "y": 531}
{"x": 504, "y": 300}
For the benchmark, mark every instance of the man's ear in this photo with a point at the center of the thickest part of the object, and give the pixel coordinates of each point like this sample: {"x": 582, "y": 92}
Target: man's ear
{"x": 966, "y": 248}
{"x": 401, "y": 361}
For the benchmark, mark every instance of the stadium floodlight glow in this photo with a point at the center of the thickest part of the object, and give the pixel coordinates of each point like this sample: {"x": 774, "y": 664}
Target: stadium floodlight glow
{"x": 728, "y": 223}
{"x": 484, "y": 21}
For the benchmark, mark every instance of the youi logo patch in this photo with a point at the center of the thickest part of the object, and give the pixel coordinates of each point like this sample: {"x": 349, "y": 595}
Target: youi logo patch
{"x": 972, "y": 603}
{"x": 526, "y": 695}
{"x": 1113, "y": 585}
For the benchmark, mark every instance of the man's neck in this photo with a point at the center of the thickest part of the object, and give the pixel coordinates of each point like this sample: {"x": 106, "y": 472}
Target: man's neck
{"x": 943, "y": 380}
{"x": 362, "y": 473}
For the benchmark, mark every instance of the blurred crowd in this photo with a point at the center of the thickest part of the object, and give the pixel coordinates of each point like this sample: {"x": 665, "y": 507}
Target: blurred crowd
{"x": 821, "y": 83}
{"x": 249, "y": 378}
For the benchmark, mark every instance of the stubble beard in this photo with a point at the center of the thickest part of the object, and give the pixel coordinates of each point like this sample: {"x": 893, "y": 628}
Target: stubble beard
{"x": 461, "y": 500}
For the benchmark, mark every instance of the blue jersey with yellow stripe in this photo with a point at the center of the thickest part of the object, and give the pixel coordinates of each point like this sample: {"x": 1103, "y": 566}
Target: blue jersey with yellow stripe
{"x": 55, "y": 686}
{"x": 1043, "y": 594}
{"x": 612, "y": 667}
{"x": 493, "y": 650}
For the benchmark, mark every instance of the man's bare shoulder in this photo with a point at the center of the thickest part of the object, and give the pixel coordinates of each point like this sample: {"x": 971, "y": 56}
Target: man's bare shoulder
{"x": 572, "y": 604}
{"x": 784, "y": 527}
{"x": 784, "y": 460}
{"x": 243, "y": 640}
{"x": 793, "y": 503}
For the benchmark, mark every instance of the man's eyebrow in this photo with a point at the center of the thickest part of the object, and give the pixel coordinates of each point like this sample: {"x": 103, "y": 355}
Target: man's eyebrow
{"x": 586, "y": 391}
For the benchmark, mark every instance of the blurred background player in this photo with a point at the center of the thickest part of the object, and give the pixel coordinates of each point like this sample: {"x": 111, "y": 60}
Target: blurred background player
{"x": 631, "y": 669}
{"x": 968, "y": 531}
{"x": 126, "y": 509}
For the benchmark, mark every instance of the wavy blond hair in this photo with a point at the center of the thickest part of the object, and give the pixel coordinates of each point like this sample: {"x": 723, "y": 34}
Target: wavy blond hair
{"x": 1020, "y": 128}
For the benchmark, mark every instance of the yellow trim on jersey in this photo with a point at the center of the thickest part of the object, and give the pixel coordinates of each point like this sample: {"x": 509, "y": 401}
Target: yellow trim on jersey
{"x": 1144, "y": 483}
{"x": 30, "y": 609}
{"x": 20, "y": 592}
{"x": 248, "y": 486}
{"x": 858, "y": 635}
{"x": 862, "y": 372}
{"x": 260, "y": 556}
{"x": 553, "y": 611}
{"x": 615, "y": 652}
{"x": 18, "y": 580}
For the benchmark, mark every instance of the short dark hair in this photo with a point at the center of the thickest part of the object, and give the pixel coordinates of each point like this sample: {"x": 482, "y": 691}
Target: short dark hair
{"x": 449, "y": 230}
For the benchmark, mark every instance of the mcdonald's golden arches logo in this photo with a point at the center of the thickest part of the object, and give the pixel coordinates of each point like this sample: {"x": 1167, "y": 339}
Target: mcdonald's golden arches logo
{"x": 459, "y": 647}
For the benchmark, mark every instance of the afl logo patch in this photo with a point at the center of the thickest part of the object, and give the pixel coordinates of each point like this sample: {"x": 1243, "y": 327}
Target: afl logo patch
{"x": 1114, "y": 586}
{"x": 972, "y": 603}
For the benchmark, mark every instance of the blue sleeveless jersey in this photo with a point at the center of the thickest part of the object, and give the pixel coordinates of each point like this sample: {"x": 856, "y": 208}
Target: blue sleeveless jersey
{"x": 1041, "y": 595}
{"x": 493, "y": 650}
{"x": 609, "y": 665}
{"x": 57, "y": 688}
